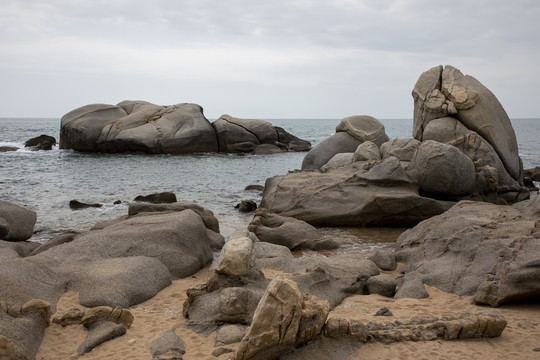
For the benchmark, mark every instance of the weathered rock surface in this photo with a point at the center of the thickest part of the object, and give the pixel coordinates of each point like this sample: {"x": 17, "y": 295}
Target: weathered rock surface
{"x": 382, "y": 284}
{"x": 340, "y": 142}
{"x": 99, "y": 333}
{"x": 364, "y": 128}
{"x": 482, "y": 324}
{"x": 440, "y": 92}
{"x": 363, "y": 194}
{"x": 283, "y": 320}
{"x": 412, "y": 287}
{"x": 16, "y": 223}
{"x": 478, "y": 249}
{"x": 119, "y": 265}
{"x": 236, "y": 258}
{"x": 22, "y": 328}
{"x": 139, "y": 126}
{"x": 432, "y": 159}
{"x": 167, "y": 346}
{"x": 290, "y": 232}
{"x": 464, "y": 148}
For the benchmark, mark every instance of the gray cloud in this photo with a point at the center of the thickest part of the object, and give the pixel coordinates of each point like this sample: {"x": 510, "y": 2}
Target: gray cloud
{"x": 316, "y": 58}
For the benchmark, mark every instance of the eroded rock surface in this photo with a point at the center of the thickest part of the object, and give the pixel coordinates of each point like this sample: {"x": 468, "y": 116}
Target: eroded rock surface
{"x": 478, "y": 249}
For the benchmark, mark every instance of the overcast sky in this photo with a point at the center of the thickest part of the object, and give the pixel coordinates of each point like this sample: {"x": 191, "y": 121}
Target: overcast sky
{"x": 262, "y": 58}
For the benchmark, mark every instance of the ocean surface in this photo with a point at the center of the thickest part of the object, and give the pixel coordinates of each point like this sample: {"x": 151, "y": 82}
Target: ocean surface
{"x": 45, "y": 181}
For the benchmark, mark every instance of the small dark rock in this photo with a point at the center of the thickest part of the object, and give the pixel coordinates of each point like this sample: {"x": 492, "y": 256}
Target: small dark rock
{"x": 117, "y": 202}
{"x": 537, "y": 349}
{"x": 8, "y": 148}
{"x": 42, "y": 142}
{"x": 384, "y": 312}
{"x": 76, "y": 205}
{"x": 254, "y": 187}
{"x": 158, "y": 198}
{"x": 246, "y": 206}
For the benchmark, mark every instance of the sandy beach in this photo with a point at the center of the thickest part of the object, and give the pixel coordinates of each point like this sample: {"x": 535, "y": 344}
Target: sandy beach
{"x": 519, "y": 340}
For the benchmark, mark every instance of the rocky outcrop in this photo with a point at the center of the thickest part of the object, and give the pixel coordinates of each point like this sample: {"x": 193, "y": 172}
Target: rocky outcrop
{"x": 117, "y": 265}
{"x": 477, "y": 249}
{"x": 483, "y": 324}
{"x": 16, "y": 223}
{"x": 442, "y": 92}
{"x": 42, "y": 142}
{"x": 363, "y": 194}
{"x": 121, "y": 264}
{"x": 464, "y": 148}
{"x": 139, "y": 126}
{"x": 283, "y": 320}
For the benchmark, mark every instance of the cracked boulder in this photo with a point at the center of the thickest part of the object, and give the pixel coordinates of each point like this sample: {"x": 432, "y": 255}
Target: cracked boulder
{"x": 283, "y": 320}
{"x": 477, "y": 249}
{"x": 441, "y": 92}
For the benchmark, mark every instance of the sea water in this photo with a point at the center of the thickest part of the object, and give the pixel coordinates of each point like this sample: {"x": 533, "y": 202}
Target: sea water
{"x": 45, "y": 181}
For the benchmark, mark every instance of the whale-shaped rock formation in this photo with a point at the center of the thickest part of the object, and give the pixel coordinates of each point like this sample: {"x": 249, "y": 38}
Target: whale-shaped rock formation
{"x": 139, "y": 126}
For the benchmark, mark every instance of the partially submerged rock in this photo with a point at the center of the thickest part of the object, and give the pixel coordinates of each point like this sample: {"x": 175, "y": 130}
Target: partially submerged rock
{"x": 42, "y": 142}
{"x": 139, "y": 126}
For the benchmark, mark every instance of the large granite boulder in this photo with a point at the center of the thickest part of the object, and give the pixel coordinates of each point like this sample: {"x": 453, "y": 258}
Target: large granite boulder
{"x": 133, "y": 126}
{"x": 120, "y": 263}
{"x": 441, "y": 92}
{"x": 433, "y": 159}
{"x": 139, "y": 126}
{"x": 477, "y": 249}
{"x": 16, "y": 223}
{"x": 362, "y": 194}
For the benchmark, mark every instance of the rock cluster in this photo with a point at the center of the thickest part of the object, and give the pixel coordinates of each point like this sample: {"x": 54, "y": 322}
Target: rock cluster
{"x": 139, "y": 126}
{"x": 116, "y": 265}
{"x": 464, "y": 147}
